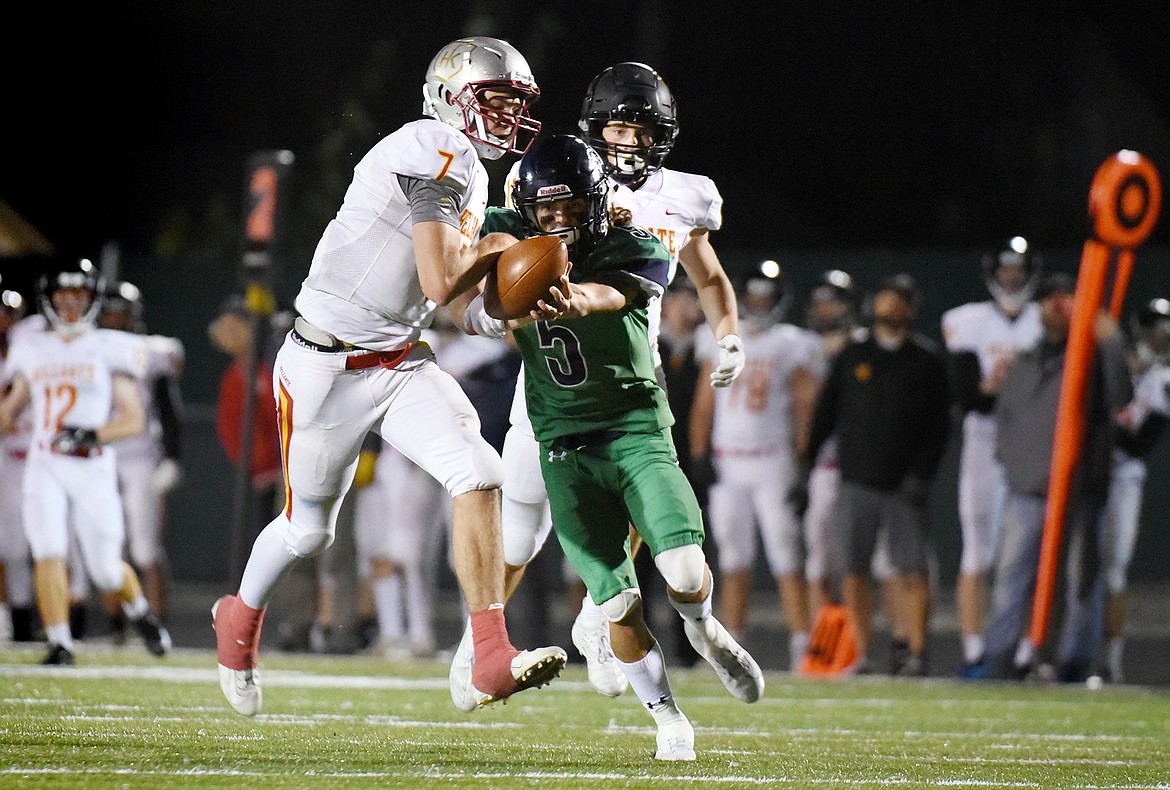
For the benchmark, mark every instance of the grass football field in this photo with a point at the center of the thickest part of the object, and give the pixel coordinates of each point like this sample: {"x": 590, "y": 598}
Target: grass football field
{"x": 122, "y": 718}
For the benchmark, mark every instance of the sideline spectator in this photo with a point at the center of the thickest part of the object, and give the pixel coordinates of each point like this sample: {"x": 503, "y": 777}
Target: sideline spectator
{"x": 887, "y": 401}
{"x": 1026, "y": 420}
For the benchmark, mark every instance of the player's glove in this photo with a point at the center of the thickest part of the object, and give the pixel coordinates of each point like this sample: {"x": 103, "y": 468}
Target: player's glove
{"x": 731, "y": 361}
{"x": 914, "y": 490}
{"x": 476, "y": 321}
{"x": 166, "y": 475}
{"x": 797, "y": 494}
{"x": 74, "y": 441}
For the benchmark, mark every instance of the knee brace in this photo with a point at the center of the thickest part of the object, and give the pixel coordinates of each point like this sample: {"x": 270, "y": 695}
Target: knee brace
{"x": 683, "y": 568}
{"x": 310, "y": 531}
{"x": 619, "y": 607}
{"x": 526, "y": 528}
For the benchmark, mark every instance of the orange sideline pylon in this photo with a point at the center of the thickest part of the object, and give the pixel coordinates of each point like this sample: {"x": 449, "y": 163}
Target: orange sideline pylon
{"x": 1124, "y": 201}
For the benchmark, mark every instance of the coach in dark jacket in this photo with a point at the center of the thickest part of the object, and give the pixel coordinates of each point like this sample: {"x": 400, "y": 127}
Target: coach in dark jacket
{"x": 886, "y": 397}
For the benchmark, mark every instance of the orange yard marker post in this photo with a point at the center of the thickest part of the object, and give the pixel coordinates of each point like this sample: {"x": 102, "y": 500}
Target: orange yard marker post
{"x": 1124, "y": 201}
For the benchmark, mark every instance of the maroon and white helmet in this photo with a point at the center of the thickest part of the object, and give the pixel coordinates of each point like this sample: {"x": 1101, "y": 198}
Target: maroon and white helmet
{"x": 454, "y": 90}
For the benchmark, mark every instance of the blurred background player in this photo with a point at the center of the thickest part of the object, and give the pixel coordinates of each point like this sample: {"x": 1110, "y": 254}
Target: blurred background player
{"x": 629, "y": 117}
{"x": 148, "y": 463}
{"x": 831, "y": 315}
{"x": 85, "y": 396}
{"x": 16, "y": 579}
{"x": 983, "y": 338}
{"x": 1142, "y": 422}
{"x": 752, "y": 430}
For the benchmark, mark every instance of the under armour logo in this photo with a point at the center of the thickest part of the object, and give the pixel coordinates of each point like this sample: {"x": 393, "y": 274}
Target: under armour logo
{"x": 553, "y": 455}
{"x": 656, "y": 705}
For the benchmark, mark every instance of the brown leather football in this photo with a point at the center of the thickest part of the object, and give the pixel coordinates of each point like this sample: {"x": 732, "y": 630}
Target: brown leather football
{"x": 523, "y": 274}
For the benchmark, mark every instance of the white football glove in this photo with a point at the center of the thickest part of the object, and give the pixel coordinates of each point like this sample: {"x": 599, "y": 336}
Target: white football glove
{"x": 476, "y": 321}
{"x": 166, "y": 475}
{"x": 731, "y": 361}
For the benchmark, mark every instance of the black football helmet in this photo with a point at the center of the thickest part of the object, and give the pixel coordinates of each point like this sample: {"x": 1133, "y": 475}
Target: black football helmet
{"x": 1150, "y": 327}
{"x": 562, "y": 166}
{"x": 79, "y": 274}
{"x": 631, "y": 93}
{"x": 832, "y": 302}
{"x": 763, "y": 295}
{"x": 122, "y": 308}
{"x": 1016, "y": 252}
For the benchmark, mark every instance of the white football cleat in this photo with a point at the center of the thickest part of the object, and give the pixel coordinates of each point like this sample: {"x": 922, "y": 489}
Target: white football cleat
{"x": 676, "y": 740}
{"x": 591, "y": 638}
{"x": 530, "y": 669}
{"x": 739, "y": 672}
{"x": 459, "y": 678}
{"x": 241, "y": 687}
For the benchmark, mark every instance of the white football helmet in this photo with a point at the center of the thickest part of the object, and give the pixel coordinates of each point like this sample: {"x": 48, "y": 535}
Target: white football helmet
{"x": 456, "y": 80}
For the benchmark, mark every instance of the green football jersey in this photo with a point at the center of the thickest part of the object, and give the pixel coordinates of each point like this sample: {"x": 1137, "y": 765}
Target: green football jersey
{"x": 596, "y": 372}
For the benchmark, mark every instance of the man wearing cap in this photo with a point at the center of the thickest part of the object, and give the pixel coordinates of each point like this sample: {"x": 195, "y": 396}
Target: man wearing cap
{"x": 1026, "y": 421}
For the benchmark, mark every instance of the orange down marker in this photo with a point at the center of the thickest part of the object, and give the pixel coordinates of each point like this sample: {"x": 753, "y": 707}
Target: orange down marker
{"x": 1124, "y": 201}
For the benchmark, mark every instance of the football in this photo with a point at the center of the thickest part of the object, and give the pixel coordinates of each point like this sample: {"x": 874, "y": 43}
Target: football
{"x": 523, "y": 274}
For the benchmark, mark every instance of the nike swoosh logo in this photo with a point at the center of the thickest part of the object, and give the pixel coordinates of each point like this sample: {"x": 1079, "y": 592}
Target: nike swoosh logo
{"x": 673, "y": 213}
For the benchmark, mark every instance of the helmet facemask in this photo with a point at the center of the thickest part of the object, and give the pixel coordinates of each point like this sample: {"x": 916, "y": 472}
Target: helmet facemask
{"x": 478, "y": 114}
{"x": 85, "y": 279}
{"x": 564, "y": 168}
{"x": 630, "y": 93}
{"x": 1013, "y": 295}
{"x": 590, "y": 211}
{"x": 632, "y": 163}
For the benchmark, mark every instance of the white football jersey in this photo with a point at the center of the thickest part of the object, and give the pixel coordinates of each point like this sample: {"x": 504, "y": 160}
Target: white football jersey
{"x": 363, "y": 284}
{"x": 1151, "y": 394}
{"x": 164, "y": 359}
{"x": 71, "y": 381}
{"x": 754, "y": 415}
{"x": 981, "y": 328}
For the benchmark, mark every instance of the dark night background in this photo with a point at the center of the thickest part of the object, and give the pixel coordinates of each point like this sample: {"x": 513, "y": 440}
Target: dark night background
{"x": 823, "y": 123}
{"x": 869, "y": 136}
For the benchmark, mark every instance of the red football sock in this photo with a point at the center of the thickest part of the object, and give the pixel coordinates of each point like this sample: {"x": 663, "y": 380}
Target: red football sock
{"x": 237, "y": 633}
{"x": 492, "y": 673}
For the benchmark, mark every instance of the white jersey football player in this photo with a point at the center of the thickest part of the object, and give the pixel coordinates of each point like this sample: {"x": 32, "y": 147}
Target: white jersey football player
{"x": 630, "y": 119}
{"x": 752, "y": 430}
{"x": 1142, "y": 422}
{"x": 81, "y": 385}
{"x": 403, "y": 242}
{"x": 148, "y": 462}
{"x": 983, "y": 338}
{"x": 16, "y": 589}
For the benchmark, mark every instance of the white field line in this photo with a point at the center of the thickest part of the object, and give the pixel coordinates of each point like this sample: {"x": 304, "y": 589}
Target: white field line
{"x": 301, "y": 679}
{"x": 657, "y": 777}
